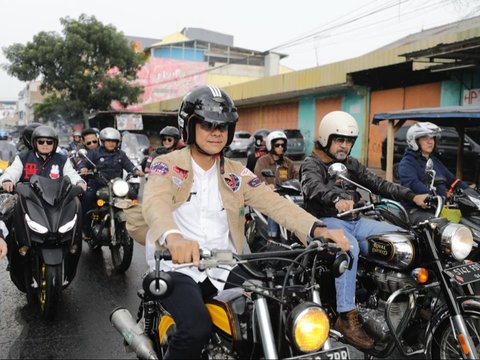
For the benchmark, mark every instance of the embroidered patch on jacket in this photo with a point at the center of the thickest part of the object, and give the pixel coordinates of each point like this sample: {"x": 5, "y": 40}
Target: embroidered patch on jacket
{"x": 180, "y": 172}
{"x": 159, "y": 168}
{"x": 255, "y": 182}
{"x": 246, "y": 172}
{"x": 233, "y": 182}
{"x": 177, "y": 181}
{"x": 54, "y": 172}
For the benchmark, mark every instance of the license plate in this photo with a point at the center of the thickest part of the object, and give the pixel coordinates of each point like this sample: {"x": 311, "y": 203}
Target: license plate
{"x": 340, "y": 353}
{"x": 464, "y": 274}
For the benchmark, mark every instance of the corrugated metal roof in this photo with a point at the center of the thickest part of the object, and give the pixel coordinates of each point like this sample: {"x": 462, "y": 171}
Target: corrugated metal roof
{"x": 335, "y": 75}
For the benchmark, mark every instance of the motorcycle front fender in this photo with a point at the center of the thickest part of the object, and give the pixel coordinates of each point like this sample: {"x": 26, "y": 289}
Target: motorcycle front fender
{"x": 52, "y": 256}
{"x": 468, "y": 305}
{"x": 120, "y": 216}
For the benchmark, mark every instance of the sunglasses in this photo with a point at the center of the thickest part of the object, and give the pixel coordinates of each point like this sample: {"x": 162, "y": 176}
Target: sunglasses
{"x": 43, "y": 142}
{"x": 168, "y": 139}
{"x": 91, "y": 142}
{"x": 210, "y": 126}
{"x": 280, "y": 145}
{"x": 343, "y": 140}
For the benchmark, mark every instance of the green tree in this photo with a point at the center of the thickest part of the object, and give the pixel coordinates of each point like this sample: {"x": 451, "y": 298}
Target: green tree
{"x": 83, "y": 69}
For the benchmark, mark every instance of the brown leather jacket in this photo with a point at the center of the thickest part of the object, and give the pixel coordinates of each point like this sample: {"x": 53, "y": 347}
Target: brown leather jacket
{"x": 283, "y": 172}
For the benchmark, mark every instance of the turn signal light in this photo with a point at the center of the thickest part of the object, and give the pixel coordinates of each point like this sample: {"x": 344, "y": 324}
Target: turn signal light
{"x": 420, "y": 275}
{"x": 100, "y": 202}
{"x": 463, "y": 343}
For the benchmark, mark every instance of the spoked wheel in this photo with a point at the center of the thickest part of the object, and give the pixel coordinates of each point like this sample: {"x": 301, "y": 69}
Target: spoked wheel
{"x": 445, "y": 344}
{"x": 122, "y": 252}
{"x": 49, "y": 290}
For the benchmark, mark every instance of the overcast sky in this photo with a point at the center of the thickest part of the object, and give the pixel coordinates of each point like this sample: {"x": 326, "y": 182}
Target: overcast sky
{"x": 317, "y": 31}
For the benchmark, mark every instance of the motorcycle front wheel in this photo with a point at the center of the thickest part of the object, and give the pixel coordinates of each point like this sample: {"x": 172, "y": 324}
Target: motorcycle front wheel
{"x": 445, "y": 344}
{"x": 122, "y": 252}
{"x": 49, "y": 290}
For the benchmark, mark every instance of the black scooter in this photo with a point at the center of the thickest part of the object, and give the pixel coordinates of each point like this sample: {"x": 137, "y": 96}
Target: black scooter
{"x": 47, "y": 220}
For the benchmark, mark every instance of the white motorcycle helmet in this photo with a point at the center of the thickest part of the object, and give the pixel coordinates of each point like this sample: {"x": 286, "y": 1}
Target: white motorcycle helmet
{"x": 274, "y": 136}
{"x": 336, "y": 123}
{"x": 420, "y": 129}
{"x": 110, "y": 133}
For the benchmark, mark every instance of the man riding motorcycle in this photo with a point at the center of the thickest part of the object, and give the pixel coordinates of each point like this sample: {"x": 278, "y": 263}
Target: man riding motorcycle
{"x": 325, "y": 198}
{"x": 169, "y": 137}
{"x": 110, "y": 161}
{"x": 195, "y": 198}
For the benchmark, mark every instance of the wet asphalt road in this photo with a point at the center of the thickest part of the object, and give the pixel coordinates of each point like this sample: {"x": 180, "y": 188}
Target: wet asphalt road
{"x": 81, "y": 329}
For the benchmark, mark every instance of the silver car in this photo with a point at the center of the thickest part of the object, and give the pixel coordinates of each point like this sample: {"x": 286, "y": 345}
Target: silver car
{"x": 295, "y": 145}
{"x": 239, "y": 144}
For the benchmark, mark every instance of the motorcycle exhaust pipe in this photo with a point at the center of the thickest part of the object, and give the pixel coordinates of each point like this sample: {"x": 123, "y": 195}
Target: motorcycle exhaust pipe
{"x": 137, "y": 340}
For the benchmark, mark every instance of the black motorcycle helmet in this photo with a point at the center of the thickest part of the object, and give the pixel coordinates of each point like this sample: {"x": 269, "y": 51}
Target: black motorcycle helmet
{"x": 27, "y": 134}
{"x": 171, "y": 131}
{"x": 47, "y": 132}
{"x": 206, "y": 103}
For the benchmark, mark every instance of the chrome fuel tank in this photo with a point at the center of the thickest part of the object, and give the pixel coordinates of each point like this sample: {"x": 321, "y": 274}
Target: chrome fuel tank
{"x": 395, "y": 250}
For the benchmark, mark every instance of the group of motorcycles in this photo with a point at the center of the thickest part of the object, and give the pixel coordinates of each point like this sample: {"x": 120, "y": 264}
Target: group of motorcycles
{"x": 47, "y": 214}
{"x": 416, "y": 290}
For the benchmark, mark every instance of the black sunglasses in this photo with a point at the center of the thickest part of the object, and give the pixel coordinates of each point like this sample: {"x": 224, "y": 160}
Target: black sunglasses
{"x": 280, "y": 145}
{"x": 210, "y": 126}
{"x": 43, "y": 142}
{"x": 168, "y": 139}
{"x": 91, "y": 142}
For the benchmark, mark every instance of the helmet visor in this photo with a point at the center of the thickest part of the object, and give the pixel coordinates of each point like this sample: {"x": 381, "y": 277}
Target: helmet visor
{"x": 218, "y": 115}
{"x": 211, "y": 125}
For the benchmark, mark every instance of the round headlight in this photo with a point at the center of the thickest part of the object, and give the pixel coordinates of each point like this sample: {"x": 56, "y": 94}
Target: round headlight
{"x": 120, "y": 188}
{"x": 309, "y": 327}
{"x": 457, "y": 241}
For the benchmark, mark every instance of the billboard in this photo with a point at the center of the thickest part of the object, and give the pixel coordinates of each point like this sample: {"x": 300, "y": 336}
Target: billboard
{"x": 164, "y": 79}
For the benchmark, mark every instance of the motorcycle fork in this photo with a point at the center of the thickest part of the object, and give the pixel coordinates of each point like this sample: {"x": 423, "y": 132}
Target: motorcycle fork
{"x": 113, "y": 233}
{"x": 265, "y": 326}
{"x": 458, "y": 322}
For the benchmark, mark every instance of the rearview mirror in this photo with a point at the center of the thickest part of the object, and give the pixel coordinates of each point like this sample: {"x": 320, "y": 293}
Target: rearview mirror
{"x": 82, "y": 153}
{"x": 267, "y": 173}
{"x": 429, "y": 165}
{"x": 337, "y": 169}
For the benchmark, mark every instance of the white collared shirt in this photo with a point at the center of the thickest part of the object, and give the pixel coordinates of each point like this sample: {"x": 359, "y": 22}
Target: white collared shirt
{"x": 202, "y": 218}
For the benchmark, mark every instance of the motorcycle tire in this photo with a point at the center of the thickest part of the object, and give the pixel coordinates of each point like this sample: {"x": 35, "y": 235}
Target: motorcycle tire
{"x": 122, "y": 253}
{"x": 444, "y": 344}
{"x": 49, "y": 290}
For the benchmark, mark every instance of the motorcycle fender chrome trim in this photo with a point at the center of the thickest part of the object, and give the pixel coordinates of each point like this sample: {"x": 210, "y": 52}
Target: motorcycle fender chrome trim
{"x": 68, "y": 226}
{"x": 394, "y": 250}
{"x": 35, "y": 226}
{"x": 164, "y": 325}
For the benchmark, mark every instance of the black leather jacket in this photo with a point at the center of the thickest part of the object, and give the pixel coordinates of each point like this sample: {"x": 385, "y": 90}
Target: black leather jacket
{"x": 320, "y": 191}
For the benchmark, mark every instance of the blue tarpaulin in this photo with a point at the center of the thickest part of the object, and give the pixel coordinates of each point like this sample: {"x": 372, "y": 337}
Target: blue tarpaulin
{"x": 446, "y": 116}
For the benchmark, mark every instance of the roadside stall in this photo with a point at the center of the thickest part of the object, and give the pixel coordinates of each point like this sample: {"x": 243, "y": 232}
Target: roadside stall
{"x": 459, "y": 117}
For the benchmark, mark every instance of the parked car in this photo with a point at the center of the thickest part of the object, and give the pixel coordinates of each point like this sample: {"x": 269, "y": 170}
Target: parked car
{"x": 239, "y": 144}
{"x": 446, "y": 151}
{"x": 295, "y": 145}
{"x": 256, "y": 147}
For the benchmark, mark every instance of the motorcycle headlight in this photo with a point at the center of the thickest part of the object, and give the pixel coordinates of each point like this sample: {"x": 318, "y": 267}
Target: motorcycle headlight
{"x": 457, "y": 241}
{"x": 68, "y": 226}
{"x": 120, "y": 188}
{"x": 309, "y": 327}
{"x": 35, "y": 226}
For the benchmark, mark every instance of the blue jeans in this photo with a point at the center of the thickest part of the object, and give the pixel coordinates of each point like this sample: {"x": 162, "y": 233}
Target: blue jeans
{"x": 272, "y": 228}
{"x": 357, "y": 232}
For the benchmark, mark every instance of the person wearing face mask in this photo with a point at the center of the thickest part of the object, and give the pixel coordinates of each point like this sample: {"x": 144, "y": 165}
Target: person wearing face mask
{"x": 195, "y": 198}
{"x": 281, "y": 166}
{"x": 422, "y": 139}
{"x": 325, "y": 197}
{"x": 110, "y": 161}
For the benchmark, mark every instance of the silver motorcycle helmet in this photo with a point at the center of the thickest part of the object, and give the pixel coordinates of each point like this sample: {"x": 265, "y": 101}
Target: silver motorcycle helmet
{"x": 44, "y": 132}
{"x": 110, "y": 133}
{"x": 420, "y": 129}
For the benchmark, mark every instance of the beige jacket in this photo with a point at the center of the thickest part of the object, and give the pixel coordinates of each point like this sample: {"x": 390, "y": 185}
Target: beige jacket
{"x": 171, "y": 179}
